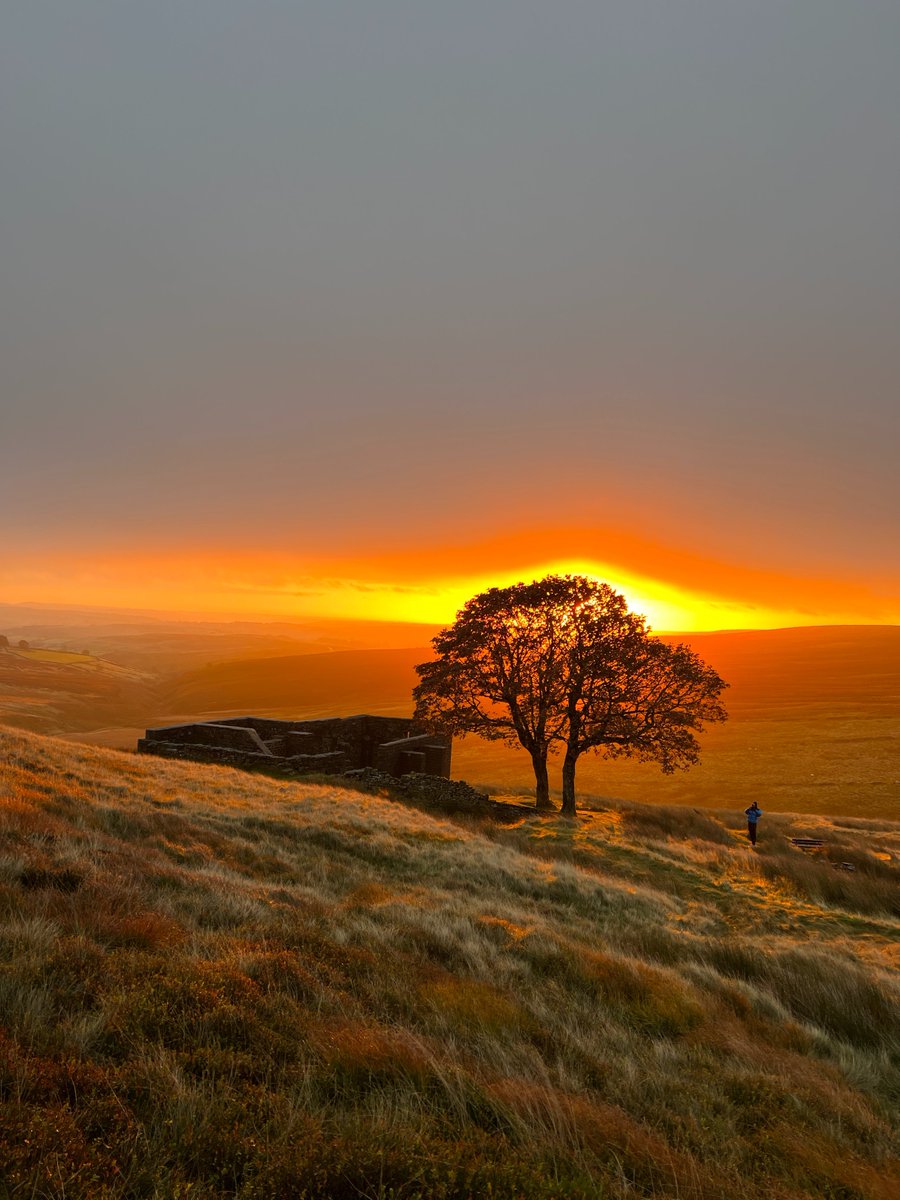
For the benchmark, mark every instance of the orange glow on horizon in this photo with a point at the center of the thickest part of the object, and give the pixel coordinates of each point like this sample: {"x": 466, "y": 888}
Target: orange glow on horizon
{"x": 676, "y": 590}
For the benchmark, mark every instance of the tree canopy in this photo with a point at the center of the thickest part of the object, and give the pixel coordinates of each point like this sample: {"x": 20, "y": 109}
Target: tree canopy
{"x": 561, "y": 663}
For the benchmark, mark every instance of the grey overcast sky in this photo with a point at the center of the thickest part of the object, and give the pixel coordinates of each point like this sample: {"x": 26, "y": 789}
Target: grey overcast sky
{"x": 354, "y": 274}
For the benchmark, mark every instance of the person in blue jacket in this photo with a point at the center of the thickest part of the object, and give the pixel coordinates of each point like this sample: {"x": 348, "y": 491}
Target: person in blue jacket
{"x": 753, "y": 813}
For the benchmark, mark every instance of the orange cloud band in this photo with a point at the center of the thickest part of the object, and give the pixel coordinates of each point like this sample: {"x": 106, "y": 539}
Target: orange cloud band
{"x": 676, "y": 589}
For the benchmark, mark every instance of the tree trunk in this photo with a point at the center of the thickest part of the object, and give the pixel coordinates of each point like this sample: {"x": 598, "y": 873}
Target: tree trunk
{"x": 568, "y": 782}
{"x": 541, "y": 782}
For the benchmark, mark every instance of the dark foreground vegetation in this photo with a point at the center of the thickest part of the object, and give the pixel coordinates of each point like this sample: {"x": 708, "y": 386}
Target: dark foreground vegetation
{"x": 220, "y": 985}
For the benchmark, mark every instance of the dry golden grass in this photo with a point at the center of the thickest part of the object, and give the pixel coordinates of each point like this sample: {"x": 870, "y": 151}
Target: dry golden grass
{"x": 214, "y": 984}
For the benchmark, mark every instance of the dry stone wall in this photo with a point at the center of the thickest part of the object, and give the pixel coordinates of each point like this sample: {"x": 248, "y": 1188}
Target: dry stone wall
{"x": 447, "y": 795}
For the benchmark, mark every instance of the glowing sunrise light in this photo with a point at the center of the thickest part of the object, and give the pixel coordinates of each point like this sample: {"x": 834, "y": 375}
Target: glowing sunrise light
{"x": 429, "y": 585}
{"x": 666, "y": 607}
{"x": 438, "y": 602}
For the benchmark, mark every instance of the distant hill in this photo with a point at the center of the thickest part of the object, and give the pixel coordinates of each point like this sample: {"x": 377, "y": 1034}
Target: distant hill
{"x": 839, "y": 668}
{"x": 55, "y": 691}
{"x": 167, "y": 643}
{"x": 340, "y": 682}
{"x": 217, "y": 984}
{"x": 771, "y": 673}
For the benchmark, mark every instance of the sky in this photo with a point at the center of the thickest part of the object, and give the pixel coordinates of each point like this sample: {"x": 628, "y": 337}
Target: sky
{"x": 358, "y": 308}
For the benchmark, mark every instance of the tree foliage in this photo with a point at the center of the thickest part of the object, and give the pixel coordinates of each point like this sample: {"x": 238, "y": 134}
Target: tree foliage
{"x": 562, "y": 663}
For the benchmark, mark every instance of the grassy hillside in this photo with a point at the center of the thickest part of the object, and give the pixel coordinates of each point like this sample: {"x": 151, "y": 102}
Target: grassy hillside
{"x": 50, "y": 691}
{"x": 215, "y": 984}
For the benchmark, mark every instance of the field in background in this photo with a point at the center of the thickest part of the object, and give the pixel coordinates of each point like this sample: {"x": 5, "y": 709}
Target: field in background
{"x": 839, "y": 764}
{"x": 814, "y": 726}
{"x": 213, "y": 983}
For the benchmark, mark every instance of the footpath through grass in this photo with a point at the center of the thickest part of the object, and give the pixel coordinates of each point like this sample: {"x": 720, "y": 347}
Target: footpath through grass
{"x": 214, "y": 984}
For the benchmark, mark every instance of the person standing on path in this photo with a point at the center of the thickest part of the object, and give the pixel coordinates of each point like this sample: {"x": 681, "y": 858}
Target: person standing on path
{"x": 753, "y": 813}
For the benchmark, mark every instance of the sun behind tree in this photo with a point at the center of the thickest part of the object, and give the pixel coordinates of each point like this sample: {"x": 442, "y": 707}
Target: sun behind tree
{"x": 561, "y": 663}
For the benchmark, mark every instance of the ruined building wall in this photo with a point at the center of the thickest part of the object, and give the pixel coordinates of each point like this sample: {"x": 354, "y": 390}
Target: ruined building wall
{"x": 331, "y": 745}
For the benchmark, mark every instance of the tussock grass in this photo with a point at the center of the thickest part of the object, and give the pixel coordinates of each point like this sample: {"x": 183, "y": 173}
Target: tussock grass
{"x": 220, "y": 985}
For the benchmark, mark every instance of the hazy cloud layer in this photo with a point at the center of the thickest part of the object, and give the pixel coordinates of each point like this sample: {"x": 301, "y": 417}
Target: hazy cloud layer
{"x": 308, "y": 272}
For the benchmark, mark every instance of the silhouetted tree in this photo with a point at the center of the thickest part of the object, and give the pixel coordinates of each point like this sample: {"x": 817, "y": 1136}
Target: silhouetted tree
{"x": 498, "y": 672}
{"x": 4, "y": 641}
{"x": 562, "y": 662}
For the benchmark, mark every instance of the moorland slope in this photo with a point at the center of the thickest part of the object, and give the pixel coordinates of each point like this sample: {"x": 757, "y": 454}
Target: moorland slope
{"x": 50, "y": 691}
{"x": 217, "y": 984}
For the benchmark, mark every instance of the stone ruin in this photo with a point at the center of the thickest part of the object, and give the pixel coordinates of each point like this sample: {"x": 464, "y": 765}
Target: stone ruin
{"x": 393, "y": 746}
